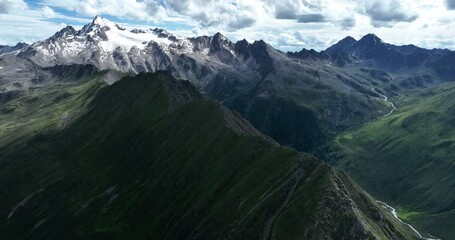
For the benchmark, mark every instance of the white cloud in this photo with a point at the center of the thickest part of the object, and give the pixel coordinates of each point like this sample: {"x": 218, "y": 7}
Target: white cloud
{"x": 131, "y": 9}
{"x": 285, "y": 24}
{"x": 48, "y": 12}
{"x": 20, "y": 23}
{"x": 229, "y": 15}
{"x": 293, "y": 9}
{"x": 386, "y": 13}
{"x": 23, "y": 28}
{"x": 348, "y": 23}
{"x": 7, "y": 6}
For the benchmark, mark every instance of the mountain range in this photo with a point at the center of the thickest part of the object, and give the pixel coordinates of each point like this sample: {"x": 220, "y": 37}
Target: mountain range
{"x": 242, "y": 75}
{"x": 169, "y": 164}
{"x": 331, "y": 103}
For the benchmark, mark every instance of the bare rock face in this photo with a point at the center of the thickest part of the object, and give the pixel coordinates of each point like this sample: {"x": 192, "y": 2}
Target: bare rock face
{"x": 108, "y": 46}
{"x": 347, "y": 212}
{"x": 7, "y": 49}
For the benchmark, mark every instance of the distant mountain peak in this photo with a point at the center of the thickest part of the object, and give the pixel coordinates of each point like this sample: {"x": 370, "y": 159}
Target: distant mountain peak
{"x": 218, "y": 37}
{"x": 218, "y": 34}
{"x": 68, "y": 30}
{"x": 21, "y": 45}
{"x": 342, "y": 45}
{"x": 160, "y": 30}
{"x": 106, "y": 44}
{"x": 100, "y": 24}
{"x": 371, "y": 39}
{"x": 18, "y": 46}
{"x": 349, "y": 39}
{"x": 98, "y": 20}
{"x": 260, "y": 43}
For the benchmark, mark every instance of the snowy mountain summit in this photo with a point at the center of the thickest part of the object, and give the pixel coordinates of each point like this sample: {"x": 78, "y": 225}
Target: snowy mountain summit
{"x": 111, "y": 36}
{"x": 107, "y": 45}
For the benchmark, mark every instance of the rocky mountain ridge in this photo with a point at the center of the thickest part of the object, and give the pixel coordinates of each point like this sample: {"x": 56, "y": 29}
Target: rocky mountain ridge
{"x": 170, "y": 164}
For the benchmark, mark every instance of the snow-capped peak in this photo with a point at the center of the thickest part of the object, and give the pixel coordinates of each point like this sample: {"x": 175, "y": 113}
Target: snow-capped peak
{"x": 109, "y": 36}
{"x": 100, "y": 21}
{"x": 99, "y": 24}
{"x": 108, "y": 45}
{"x": 220, "y": 36}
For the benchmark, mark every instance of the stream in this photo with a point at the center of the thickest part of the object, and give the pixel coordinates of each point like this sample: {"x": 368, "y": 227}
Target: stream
{"x": 385, "y": 205}
{"x": 386, "y": 99}
{"x": 395, "y": 215}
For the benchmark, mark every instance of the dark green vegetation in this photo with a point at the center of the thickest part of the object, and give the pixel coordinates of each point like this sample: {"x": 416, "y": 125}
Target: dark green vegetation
{"x": 408, "y": 159}
{"x": 150, "y": 158}
{"x": 304, "y": 107}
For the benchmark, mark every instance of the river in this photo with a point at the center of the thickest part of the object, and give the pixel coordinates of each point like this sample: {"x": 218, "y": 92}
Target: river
{"x": 395, "y": 215}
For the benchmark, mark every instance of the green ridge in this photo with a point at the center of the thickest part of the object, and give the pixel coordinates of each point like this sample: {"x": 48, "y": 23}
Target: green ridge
{"x": 150, "y": 158}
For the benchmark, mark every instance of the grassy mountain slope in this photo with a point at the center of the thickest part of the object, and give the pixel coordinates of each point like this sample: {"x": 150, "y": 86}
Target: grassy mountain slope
{"x": 407, "y": 158}
{"x": 24, "y": 113}
{"x": 150, "y": 158}
{"x": 303, "y": 106}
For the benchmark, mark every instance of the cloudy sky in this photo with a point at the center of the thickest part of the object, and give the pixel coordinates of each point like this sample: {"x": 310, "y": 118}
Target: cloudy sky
{"x": 285, "y": 24}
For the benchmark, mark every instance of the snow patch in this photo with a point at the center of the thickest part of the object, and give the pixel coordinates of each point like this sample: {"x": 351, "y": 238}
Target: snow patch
{"x": 127, "y": 40}
{"x": 206, "y": 51}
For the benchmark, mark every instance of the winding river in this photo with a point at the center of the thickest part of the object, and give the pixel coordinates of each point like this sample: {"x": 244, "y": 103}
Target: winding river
{"x": 395, "y": 215}
{"x": 385, "y": 205}
{"x": 386, "y": 99}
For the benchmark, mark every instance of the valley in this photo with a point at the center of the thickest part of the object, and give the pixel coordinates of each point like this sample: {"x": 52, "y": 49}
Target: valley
{"x": 377, "y": 154}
